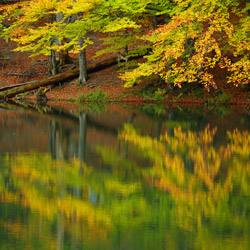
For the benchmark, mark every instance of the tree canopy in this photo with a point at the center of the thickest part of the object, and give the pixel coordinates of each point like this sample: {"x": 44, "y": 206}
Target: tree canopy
{"x": 194, "y": 40}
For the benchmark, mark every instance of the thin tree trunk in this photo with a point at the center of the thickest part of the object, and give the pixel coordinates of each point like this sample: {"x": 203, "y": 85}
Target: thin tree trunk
{"x": 155, "y": 21}
{"x": 82, "y": 63}
{"x": 126, "y": 47}
{"x": 168, "y": 18}
{"x": 52, "y": 58}
{"x": 63, "y": 55}
{"x": 53, "y": 63}
{"x": 59, "y": 17}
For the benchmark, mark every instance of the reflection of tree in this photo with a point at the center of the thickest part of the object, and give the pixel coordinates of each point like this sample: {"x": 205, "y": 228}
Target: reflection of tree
{"x": 44, "y": 185}
{"x": 205, "y": 182}
{"x": 59, "y": 141}
{"x": 82, "y": 136}
{"x": 188, "y": 186}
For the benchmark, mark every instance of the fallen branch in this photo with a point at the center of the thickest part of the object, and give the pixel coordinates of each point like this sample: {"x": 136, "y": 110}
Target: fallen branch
{"x": 14, "y": 86}
{"x": 17, "y": 74}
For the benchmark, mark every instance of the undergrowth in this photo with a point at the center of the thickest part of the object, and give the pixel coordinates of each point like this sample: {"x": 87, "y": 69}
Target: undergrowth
{"x": 219, "y": 97}
{"x": 151, "y": 93}
{"x": 98, "y": 95}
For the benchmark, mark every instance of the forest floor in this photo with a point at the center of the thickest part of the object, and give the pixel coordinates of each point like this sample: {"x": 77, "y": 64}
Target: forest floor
{"x": 105, "y": 85}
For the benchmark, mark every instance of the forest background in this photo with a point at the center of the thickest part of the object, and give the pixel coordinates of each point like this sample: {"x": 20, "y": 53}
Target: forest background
{"x": 167, "y": 50}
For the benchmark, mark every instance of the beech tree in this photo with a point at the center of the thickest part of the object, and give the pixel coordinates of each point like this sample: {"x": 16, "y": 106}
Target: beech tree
{"x": 199, "y": 37}
{"x": 202, "y": 35}
{"x": 35, "y": 30}
{"x": 37, "y": 26}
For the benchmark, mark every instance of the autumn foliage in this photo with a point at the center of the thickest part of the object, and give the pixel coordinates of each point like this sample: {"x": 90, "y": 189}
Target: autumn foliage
{"x": 194, "y": 40}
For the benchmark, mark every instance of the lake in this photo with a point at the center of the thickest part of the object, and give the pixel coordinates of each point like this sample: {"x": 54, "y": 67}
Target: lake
{"x": 143, "y": 177}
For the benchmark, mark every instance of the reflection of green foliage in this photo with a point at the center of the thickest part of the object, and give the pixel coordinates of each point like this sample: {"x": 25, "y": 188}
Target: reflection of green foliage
{"x": 221, "y": 110}
{"x": 98, "y": 107}
{"x": 120, "y": 165}
{"x": 184, "y": 125}
{"x": 42, "y": 182}
{"x": 154, "y": 109}
{"x": 190, "y": 194}
{"x": 50, "y": 186}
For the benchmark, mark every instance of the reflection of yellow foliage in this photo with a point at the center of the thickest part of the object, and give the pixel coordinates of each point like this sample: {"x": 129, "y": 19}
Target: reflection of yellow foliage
{"x": 122, "y": 189}
{"x": 41, "y": 182}
{"x": 15, "y": 228}
{"x": 84, "y": 211}
{"x": 187, "y": 166}
{"x": 9, "y": 197}
{"x": 206, "y": 165}
{"x": 240, "y": 143}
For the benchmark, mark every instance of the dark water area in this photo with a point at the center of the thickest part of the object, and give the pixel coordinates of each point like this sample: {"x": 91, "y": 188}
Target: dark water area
{"x": 147, "y": 177}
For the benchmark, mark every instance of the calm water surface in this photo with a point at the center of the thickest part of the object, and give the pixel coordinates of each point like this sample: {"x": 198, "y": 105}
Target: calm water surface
{"x": 140, "y": 178}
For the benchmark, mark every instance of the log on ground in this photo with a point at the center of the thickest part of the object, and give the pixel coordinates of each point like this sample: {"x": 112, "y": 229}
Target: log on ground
{"x": 39, "y": 83}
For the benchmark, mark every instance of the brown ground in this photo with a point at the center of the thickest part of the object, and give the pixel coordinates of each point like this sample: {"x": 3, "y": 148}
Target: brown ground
{"x": 18, "y": 67}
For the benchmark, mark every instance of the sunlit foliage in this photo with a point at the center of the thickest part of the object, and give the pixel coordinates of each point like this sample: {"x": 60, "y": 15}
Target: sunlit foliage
{"x": 200, "y": 37}
{"x": 197, "y": 39}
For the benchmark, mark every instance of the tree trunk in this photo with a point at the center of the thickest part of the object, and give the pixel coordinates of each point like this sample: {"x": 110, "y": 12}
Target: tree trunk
{"x": 168, "y": 18}
{"x": 53, "y": 63}
{"x": 155, "y": 21}
{"x": 126, "y": 46}
{"x": 82, "y": 63}
{"x": 59, "y": 18}
{"x": 52, "y": 58}
{"x": 63, "y": 55}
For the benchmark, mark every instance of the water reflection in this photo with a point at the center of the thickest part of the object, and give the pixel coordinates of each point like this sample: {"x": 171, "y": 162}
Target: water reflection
{"x": 125, "y": 180}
